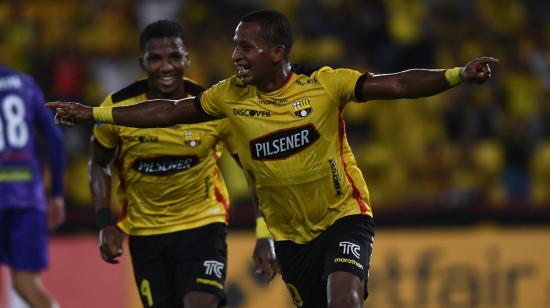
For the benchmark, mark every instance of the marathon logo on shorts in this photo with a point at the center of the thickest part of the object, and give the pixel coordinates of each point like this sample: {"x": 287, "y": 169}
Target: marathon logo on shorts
{"x": 192, "y": 139}
{"x": 283, "y": 143}
{"x": 302, "y": 107}
{"x": 243, "y": 112}
{"x": 165, "y": 165}
{"x": 348, "y": 261}
{"x": 213, "y": 267}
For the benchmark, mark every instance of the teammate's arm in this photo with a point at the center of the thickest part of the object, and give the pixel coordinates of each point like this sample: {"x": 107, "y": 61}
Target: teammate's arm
{"x": 151, "y": 113}
{"x": 416, "y": 83}
{"x": 110, "y": 238}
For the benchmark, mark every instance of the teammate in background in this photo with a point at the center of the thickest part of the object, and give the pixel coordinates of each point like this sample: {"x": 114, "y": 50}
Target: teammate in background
{"x": 292, "y": 143}
{"x": 175, "y": 202}
{"x": 26, "y": 212}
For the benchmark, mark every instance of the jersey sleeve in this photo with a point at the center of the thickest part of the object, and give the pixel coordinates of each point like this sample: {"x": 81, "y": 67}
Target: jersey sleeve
{"x": 212, "y": 100}
{"x": 340, "y": 84}
{"x": 106, "y": 134}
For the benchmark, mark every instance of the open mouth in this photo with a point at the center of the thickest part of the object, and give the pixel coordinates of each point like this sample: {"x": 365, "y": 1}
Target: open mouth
{"x": 242, "y": 69}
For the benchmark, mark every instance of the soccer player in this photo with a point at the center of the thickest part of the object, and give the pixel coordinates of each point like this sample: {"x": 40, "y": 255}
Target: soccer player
{"x": 175, "y": 202}
{"x": 26, "y": 213}
{"x": 292, "y": 144}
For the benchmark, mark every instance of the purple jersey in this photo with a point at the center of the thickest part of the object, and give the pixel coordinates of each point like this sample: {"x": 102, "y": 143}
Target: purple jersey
{"x": 22, "y": 116}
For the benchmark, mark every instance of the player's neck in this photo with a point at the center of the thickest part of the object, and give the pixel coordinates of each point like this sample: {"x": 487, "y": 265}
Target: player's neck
{"x": 280, "y": 78}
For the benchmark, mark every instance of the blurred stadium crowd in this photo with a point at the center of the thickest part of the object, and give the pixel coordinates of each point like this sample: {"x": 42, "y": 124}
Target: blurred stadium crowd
{"x": 484, "y": 146}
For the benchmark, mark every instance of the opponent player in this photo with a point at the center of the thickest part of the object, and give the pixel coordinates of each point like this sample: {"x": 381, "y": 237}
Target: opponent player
{"x": 175, "y": 204}
{"x": 26, "y": 213}
{"x": 292, "y": 143}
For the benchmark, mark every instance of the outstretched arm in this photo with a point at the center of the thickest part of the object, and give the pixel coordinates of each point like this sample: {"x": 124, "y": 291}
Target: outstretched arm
{"x": 416, "y": 83}
{"x": 152, "y": 113}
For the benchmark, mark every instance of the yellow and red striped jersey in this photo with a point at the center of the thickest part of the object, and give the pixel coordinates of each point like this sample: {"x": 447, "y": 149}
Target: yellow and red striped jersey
{"x": 169, "y": 179}
{"x": 292, "y": 144}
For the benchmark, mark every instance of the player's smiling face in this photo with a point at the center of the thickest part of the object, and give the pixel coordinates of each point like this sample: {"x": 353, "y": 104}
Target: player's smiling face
{"x": 165, "y": 61}
{"x": 253, "y": 55}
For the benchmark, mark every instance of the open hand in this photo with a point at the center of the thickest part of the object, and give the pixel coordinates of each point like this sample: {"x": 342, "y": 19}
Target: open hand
{"x": 478, "y": 70}
{"x": 110, "y": 244}
{"x": 264, "y": 256}
{"x": 56, "y": 212}
{"x": 71, "y": 113}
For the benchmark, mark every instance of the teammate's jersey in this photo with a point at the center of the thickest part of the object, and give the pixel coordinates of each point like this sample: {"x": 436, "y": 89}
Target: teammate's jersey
{"x": 169, "y": 179}
{"x": 292, "y": 143}
{"x": 22, "y": 113}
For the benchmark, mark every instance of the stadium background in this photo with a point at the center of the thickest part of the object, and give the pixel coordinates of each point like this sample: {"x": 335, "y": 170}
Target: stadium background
{"x": 460, "y": 182}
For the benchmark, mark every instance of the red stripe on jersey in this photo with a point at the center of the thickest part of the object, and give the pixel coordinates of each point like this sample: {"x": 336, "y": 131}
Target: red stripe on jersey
{"x": 355, "y": 192}
{"x": 221, "y": 199}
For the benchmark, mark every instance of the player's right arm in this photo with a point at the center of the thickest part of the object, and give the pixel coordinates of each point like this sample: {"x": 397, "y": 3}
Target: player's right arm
{"x": 151, "y": 113}
{"x": 110, "y": 238}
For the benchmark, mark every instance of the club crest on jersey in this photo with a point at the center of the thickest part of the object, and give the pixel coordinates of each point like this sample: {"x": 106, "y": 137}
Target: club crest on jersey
{"x": 302, "y": 107}
{"x": 192, "y": 139}
{"x": 283, "y": 143}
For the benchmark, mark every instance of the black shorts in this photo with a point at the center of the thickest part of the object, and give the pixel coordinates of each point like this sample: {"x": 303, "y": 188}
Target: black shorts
{"x": 168, "y": 266}
{"x": 344, "y": 246}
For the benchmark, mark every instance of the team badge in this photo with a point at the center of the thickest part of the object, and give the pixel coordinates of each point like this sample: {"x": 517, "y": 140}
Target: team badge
{"x": 302, "y": 107}
{"x": 192, "y": 139}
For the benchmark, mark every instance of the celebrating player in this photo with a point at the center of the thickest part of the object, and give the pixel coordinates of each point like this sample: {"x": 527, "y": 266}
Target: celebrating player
{"x": 292, "y": 144}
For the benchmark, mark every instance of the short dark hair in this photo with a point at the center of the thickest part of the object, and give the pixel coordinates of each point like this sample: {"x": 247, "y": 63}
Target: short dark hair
{"x": 275, "y": 27}
{"x": 160, "y": 28}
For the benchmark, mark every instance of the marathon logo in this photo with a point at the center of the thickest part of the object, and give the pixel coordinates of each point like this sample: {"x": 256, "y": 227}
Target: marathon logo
{"x": 192, "y": 139}
{"x": 283, "y": 143}
{"x": 251, "y": 113}
{"x": 275, "y": 101}
{"x": 302, "y": 107}
{"x": 306, "y": 82}
{"x": 348, "y": 261}
{"x": 165, "y": 165}
{"x": 140, "y": 139}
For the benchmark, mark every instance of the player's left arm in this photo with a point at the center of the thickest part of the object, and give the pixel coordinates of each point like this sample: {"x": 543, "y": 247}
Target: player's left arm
{"x": 56, "y": 160}
{"x": 264, "y": 251}
{"x": 417, "y": 83}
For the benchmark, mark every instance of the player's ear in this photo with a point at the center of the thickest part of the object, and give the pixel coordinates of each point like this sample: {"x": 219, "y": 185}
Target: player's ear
{"x": 141, "y": 60}
{"x": 187, "y": 60}
{"x": 278, "y": 54}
